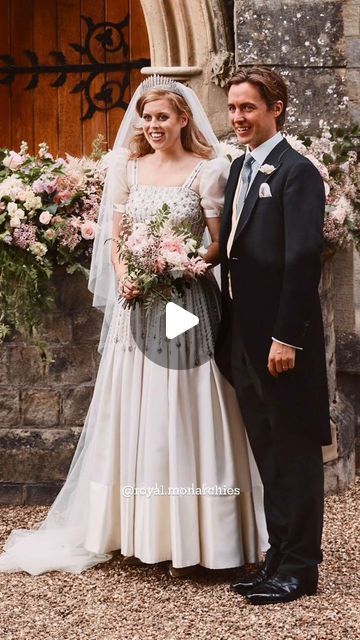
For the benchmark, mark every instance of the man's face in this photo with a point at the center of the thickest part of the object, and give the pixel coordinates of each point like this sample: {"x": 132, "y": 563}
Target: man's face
{"x": 249, "y": 115}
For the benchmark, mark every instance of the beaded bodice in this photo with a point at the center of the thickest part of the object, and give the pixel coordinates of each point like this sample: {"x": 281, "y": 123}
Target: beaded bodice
{"x": 184, "y": 203}
{"x": 201, "y": 299}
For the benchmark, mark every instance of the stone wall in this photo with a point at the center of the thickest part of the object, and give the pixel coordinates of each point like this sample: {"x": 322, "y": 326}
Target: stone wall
{"x": 315, "y": 46}
{"x": 41, "y": 412}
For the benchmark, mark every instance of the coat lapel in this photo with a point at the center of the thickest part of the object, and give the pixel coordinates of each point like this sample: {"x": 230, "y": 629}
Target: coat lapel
{"x": 273, "y": 158}
{"x": 229, "y": 198}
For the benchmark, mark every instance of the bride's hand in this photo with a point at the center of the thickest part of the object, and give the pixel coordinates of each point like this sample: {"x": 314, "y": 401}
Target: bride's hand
{"x": 128, "y": 289}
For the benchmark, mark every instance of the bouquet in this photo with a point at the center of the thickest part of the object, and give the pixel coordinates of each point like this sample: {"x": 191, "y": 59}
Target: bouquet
{"x": 161, "y": 257}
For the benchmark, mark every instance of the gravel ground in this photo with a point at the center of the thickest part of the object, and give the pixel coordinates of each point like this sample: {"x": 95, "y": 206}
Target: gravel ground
{"x": 112, "y": 602}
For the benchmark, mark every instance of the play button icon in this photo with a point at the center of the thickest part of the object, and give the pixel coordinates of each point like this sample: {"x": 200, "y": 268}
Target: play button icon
{"x": 178, "y": 335}
{"x": 178, "y": 320}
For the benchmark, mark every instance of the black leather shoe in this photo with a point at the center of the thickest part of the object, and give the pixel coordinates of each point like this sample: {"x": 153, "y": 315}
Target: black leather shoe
{"x": 267, "y": 569}
{"x": 280, "y": 588}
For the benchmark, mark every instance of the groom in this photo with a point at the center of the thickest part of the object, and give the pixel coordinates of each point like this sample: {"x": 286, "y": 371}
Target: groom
{"x": 271, "y": 344}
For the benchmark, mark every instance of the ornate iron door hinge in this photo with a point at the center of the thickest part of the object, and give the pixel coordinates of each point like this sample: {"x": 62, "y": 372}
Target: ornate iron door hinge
{"x": 111, "y": 36}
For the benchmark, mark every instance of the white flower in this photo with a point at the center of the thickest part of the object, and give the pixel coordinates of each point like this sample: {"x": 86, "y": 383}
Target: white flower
{"x": 15, "y": 222}
{"x": 12, "y": 208}
{"x": 190, "y": 245}
{"x": 13, "y": 161}
{"x": 230, "y": 151}
{"x": 267, "y": 168}
{"x": 177, "y": 272}
{"x": 38, "y": 249}
{"x": 24, "y": 148}
{"x": 32, "y": 202}
{"x": 327, "y": 189}
{"x": 202, "y": 251}
{"x": 296, "y": 144}
{"x": 45, "y": 217}
{"x": 15, "y": 211}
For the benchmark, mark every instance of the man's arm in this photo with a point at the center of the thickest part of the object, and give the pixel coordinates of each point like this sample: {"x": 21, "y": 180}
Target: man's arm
{"x": 303, "y": 210}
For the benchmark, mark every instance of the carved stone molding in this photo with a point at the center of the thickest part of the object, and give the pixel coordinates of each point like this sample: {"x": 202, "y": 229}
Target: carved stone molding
{"x": 192, "y": 41}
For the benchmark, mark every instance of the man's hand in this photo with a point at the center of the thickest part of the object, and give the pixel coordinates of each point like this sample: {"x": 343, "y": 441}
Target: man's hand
{"x": 281, "y": 358}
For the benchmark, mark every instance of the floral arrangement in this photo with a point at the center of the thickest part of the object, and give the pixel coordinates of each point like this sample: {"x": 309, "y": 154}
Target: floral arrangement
{"x": 48, "y": 212}
{"x": 335, "y": 153}
{"x": 161, "y": 256}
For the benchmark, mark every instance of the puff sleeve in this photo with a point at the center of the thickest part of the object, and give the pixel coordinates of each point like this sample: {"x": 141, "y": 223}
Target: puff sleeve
{"x": 118, "y": 183}
{"x": 212, "y": 182}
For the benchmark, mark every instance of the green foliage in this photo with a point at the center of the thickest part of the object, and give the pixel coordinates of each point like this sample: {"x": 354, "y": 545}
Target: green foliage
{"x": 26, "y": 292}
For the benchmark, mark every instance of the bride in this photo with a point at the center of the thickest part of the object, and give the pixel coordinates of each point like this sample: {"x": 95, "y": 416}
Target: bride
{"x": 162, "y": 470}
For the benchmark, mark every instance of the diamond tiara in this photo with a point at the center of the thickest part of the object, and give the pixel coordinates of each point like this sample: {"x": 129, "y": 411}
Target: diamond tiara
{"x": 161, "y": 82}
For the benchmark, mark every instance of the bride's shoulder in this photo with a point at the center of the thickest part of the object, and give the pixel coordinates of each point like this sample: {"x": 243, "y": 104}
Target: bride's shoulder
{"x": 215, "y": 167}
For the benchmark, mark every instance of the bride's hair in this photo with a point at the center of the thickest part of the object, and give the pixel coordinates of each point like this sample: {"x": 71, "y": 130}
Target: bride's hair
{"x": 191, "y": 138}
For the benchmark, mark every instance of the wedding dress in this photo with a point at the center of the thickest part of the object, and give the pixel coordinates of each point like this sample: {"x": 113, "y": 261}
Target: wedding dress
{"x": 153, "y": 428}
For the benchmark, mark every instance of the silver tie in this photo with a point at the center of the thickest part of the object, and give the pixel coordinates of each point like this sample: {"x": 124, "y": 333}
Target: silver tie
{"x": 245, "y": 183}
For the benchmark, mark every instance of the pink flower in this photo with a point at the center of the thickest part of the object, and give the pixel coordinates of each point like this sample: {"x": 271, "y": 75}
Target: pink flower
{"x": 45, "y": 217}
{"x": 13, "y": 161}
{"x": 139, "y": 240}
{"x": 63, "y": 196}
{"x": 50, "y": 234}
{"x": 197, "y": 266}
{"x": 43, "y": 186}
{"x": 24, "y": 236}
{"x": 21, "y": 195}
{"x": 173, "y": 251}
{"x": 159, "y": 265}
{"x": 88, "y": 230}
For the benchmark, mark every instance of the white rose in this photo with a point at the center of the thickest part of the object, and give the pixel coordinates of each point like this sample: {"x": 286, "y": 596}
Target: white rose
{"x": 38, "y": 249}
{"x": 45, "y": 217}
{"x": 15, "y": 222}
{"x": 190, "y": 245}
{"x": 12, "y": 208}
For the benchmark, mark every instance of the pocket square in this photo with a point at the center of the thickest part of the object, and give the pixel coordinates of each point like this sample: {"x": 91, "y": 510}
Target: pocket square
{"x": 264, "y": 191}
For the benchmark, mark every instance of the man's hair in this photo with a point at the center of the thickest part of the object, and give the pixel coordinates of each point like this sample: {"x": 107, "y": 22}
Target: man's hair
{"x": 270, "y": 85}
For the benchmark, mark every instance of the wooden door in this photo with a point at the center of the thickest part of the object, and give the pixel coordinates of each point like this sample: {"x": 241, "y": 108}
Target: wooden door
{"x": 67, "y": 70}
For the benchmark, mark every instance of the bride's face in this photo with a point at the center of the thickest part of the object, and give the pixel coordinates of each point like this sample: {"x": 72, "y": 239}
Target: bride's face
{"x": 162, "y": 125}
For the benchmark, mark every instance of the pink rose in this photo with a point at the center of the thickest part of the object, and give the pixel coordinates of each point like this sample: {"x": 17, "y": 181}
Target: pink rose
{"x": 50, "y": 234}
{"x": 173, "y": 251}
{"x": 88, "y": 230}
{"x": 45, "y": 217}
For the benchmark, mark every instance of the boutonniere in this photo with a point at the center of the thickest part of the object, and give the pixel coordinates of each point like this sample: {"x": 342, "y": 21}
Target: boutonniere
{"x": 267, "y": 169}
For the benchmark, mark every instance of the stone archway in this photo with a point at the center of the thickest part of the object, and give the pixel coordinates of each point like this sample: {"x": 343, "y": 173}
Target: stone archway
{"x": 193, "y": 41}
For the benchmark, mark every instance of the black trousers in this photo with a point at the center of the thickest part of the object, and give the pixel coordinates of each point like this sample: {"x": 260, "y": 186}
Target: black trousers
{"x": 291, "y": 470}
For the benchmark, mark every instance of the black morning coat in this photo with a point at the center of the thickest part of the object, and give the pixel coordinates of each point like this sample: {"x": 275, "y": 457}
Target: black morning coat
{"x": 275, "y": 271}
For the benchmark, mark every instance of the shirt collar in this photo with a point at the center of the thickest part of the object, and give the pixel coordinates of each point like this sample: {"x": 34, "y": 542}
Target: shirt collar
{"x": 262, "y": 151}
